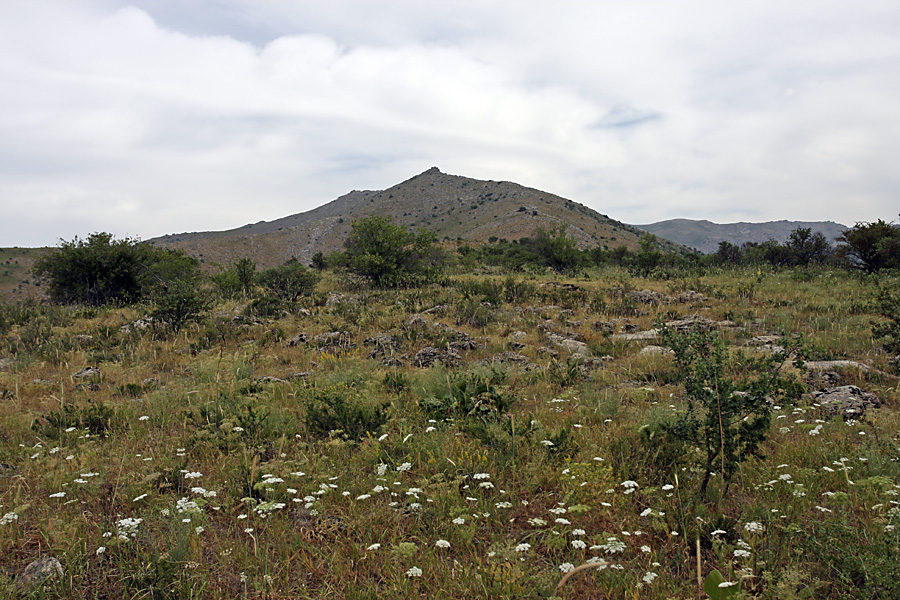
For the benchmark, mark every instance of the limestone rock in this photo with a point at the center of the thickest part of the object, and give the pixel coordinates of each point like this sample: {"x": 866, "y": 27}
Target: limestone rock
{"x": 847, "y": 400}
{"x": 656, "y": 351}
{"x": 333, "y": 338}
{"x": 269, "y": 379}
{"x": 690, "y": 296}
{"x": 92, "y": 373}
{"x": 569, "y": 345}
{"x": 415, "y": 322}
{"x": 39, "y": 571}
{"x": 6, "y": 364}
{"x": 640, "y": 336}
{"x": 300, "y": 338}
{"x": 426, "y": 357}
{"x": 698, "y": 323}
{"x": 648, "y": 297}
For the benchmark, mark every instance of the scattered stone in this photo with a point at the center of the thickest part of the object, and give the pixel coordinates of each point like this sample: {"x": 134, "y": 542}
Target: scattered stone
{"x": 383, "y": 341}
{"x": 440, "y": 309}
{"x": 298, "y": 375}
{"x": 698, "y": 323}
{"x": 84, "y": 338}
{"x": 383, "y": 345}
{"x": 763, "y": 340}
{"x": 847, "y": 400}
{"x": 629, "y": 327}
{"x": 303, "y": 312}
{"x": 334, "y": 298}
{"x": 150, "y": 382}
{"x": 138, "y": 325}
{"x": 640, "y": 336}
{"x": 300, "y": 338}
{"x": 604, "y": 326}
{"x": 592, "y": 364}
{"x": 87, "y": 387}
{"x": 245, "y": 320}
{"x": 88, "y": 373}
{"x": 506, "y": 357}
{"x": 6, "y": 364}
{"x": 415, "y": 322}
{"x": 518, "y": 335}
{"x": 569, "y": 345}
{"x": 690, "y": 296}
{"x": 515, "y": 345}
{"x": 391, "y": 361}
{"x": 36, "y": 573}
{"x": 656, "y": 351}
{"x": 269, "y": 379}
{"x": 648, "y": 297}
{"x": 426, "y": 357}
{"x": 544, "y": 350}
{"x": 825, "y": 365}
{"x": 574, "y": 324}
{"x": 333, "y": 338}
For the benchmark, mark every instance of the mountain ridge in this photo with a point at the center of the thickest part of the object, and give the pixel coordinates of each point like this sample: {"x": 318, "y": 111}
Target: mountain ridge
{"x": 453, "y": 206}
{"x": 706, "y": 235}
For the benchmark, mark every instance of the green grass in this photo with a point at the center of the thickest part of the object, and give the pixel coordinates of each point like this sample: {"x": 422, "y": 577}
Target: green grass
{"x": 239, "y": 497}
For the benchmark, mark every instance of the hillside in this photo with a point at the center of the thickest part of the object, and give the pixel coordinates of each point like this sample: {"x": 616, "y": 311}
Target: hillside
{"x": 454, "y": 207}
{"x": 706, "y": 235}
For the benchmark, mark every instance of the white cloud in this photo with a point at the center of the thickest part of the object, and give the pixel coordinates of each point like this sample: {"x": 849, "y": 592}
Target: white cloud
{"x": 170, "y": 116}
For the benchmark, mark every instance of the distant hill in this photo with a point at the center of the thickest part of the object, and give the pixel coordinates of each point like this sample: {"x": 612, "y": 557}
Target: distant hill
{"x": 706, "y": 235}
{"x": 454, "y": 207}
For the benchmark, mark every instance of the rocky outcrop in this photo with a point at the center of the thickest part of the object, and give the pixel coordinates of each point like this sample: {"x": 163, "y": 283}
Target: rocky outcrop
{"x": 848, "y": 401}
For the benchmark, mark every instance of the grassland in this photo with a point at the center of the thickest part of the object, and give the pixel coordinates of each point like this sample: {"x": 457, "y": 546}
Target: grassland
{"x": 202, "y": 466}
{"x": 16, "y": 281}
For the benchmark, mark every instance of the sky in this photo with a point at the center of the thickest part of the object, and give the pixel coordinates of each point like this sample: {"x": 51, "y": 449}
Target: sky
{"x": 150, "y": 117}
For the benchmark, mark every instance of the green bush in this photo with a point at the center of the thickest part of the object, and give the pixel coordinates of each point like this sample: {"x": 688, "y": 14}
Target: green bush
{"x": 727, "y": 418}
{"x": 289, "y": 281}
{"x": 103, "y": 270}
{"x": 342, "y": 411}
{"x": 179, "y": 303}
{"x": 470, "y": 395}
{"x": 389, "y": 255}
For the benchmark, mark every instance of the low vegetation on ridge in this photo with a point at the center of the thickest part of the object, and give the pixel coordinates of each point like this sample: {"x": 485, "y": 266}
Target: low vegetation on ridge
{"x": 523, "y": 420}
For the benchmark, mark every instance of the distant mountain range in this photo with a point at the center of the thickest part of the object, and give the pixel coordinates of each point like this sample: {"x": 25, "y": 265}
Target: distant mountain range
{"x": 706, "y": 235}
{"x": 454, "y": 207}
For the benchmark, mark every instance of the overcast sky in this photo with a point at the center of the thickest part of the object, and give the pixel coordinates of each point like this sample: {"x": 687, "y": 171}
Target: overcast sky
{"x": 161, "y": 116}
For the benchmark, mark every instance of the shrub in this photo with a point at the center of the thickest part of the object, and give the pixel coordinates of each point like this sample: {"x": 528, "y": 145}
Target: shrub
{"x": 178, "y": 304}
{"x": 727, "y": 418}
{"x": 388, "y": 255}
{"x": 290, "y": 281}
{"x": 339, "y": 410}
{"x": 474, "y": 395}
{"x": 103, "y": 270}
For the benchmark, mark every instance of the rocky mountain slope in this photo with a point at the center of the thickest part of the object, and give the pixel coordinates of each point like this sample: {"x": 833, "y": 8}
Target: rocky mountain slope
{"x": 706, "y": 235}
{"x": 456, "y": 208}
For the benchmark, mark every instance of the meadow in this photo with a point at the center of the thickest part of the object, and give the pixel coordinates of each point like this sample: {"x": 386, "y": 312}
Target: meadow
{"x": 485, "y": 436}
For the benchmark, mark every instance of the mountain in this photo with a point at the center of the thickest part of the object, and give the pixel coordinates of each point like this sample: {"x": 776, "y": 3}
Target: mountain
{"x": 454, "y": 207}
{"x": 706, "y": 235}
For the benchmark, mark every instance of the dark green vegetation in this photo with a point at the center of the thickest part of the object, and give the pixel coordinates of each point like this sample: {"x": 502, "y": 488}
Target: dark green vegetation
{"x": 476, "y": 432}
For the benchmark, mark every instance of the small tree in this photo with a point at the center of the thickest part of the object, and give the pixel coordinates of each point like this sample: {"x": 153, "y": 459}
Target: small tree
{"x": 289, "y": 281}
{"x": 807, "y": 247}
{"x": 727, "y": 418}
{"x": 245, "y": 270}
{"x": 871, "y": 246}
{"x": 177, "y": 304}
{"x": 389, "y": 255}
{"x": 104, "y": 270}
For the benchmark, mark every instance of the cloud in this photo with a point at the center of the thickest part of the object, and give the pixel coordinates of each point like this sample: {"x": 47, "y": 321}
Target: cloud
{"x": 167, "y": 116}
